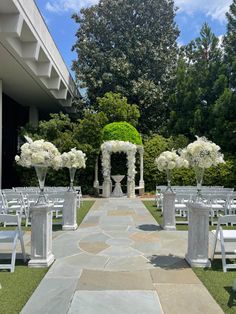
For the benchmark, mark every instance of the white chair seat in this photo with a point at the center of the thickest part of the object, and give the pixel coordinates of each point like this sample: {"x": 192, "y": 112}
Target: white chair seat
{"x": 11, "y": 236}
{"x": 182, "y": 206}
{"x": 7, "y": 235}
{"x": 217, "y": 206}
{"x": 225, "y": 236}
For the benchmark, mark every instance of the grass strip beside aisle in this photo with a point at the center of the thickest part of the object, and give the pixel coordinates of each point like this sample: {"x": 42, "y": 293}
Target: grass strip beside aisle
{"x": 17, "y": 287}
{"x": 157, "y": 214}
{"x": 219, "y": 284}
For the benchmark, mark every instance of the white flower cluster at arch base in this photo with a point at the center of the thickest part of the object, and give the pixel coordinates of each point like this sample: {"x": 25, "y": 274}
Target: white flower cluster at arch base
{"x": 110, "y": 147}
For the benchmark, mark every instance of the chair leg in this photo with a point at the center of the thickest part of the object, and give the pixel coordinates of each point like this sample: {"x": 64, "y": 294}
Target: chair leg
{"x": 215, "y": 243}
{"x": 222, "y": 244}
{"x": 13, "y": 255}
{"x": 22, "y": 246}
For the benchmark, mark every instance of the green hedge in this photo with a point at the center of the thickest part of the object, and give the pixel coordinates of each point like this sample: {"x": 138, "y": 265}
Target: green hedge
{"x": 121, "y": 131}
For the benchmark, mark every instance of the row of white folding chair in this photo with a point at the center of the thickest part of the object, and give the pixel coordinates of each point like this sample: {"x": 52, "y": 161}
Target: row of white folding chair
{"x": 218, "y": 203}
{"x": 162, "y": 188}
{"x": 14, "y": 203}
{"x": 225, "y": 236}
{"x": 11, "y": 237}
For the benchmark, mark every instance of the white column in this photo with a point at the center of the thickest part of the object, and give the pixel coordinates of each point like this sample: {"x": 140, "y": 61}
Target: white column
{"x": 169, "y": 211}
{"x": 69, "y": 213}
{"x": 198, "y": 235}
{"x": 106, "y": 187}
{"x": 33, "y": 116}
{"x": 141, "y": 181}
{"x": 96, "y": 182}
{"x": 131, "y": 176}
{"x": 1, "y": 104}
{"x": 41, "y": 236}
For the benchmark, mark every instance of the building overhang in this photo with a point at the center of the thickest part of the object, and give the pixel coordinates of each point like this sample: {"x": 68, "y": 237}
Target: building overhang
{"x": 31, "y": 68}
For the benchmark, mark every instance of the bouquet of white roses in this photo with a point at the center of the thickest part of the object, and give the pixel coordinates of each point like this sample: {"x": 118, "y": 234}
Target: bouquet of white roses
{"x": 202, "y": 153}
{"x": 40, "y": 153}
{"x": 169, "y": 160}
{"x": 73, "y": 159}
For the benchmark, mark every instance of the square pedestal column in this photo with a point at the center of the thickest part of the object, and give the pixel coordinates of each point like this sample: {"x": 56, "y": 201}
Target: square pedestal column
{"x": 69, "y": 213}
{"x": 106, "y": 188}
{"x": 41, "y": 236}
{"x": 169, "y": 211}
{"x": 198, "y": 235}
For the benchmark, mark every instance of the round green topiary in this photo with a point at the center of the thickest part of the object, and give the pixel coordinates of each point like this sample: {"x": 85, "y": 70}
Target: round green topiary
{"x": 121, "y": 131}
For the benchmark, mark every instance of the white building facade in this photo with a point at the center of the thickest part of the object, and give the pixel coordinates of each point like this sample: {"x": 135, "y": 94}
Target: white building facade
{"x": 34, "y": 79}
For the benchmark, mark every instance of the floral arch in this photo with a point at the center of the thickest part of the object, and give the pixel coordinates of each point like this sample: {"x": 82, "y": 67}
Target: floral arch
{"x": 115, "y": 146}
{"x": 120, "y": 137}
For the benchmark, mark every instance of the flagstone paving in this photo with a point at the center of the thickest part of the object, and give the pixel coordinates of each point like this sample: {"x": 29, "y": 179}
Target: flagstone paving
{"x": 119, "y": 261}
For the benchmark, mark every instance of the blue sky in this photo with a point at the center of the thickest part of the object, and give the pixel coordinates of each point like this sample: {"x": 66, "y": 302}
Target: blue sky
{"x": 190, "y": 16}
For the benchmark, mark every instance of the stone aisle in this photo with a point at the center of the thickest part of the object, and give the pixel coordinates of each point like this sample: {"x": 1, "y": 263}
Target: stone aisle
{"x": 120, "y": 262}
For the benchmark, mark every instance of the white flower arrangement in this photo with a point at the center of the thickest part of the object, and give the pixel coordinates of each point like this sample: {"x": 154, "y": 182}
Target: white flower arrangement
{"x": 39, "y": 153}
{"x": 169, "y": 160}
{"x": 73, "y": 159}
{"x": 202, "y": 153}
{"x": 118, "y": 147}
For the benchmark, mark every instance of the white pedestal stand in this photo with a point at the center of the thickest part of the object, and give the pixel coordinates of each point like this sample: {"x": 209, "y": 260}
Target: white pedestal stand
{"x": 198, "y": 235}
{"x": 117, "y": 192}
{"x": 69, "y": 213}
{"x": 41, "y": 236}
{"x": 169, "y": 211}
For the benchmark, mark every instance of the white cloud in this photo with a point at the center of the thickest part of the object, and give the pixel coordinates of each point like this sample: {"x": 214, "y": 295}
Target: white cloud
{"x": 213, "y": 8}
{"x": 60, "y": 6}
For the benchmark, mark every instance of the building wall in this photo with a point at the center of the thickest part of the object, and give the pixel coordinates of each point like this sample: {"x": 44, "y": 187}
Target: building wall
{"x": 14, "y": 117}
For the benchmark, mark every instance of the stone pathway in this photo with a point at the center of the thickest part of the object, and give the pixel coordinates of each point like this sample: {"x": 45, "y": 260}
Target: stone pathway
{"x": 120, "y": 262}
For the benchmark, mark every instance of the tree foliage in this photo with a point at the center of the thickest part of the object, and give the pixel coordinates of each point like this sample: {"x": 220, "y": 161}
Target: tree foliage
{"x": 116, "y": 108}
{"x": 199, "y": 82}
{"x": 129, "y": 47}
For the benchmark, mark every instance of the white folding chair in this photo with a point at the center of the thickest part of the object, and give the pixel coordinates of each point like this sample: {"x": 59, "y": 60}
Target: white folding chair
{"x": 79, "y": 195}
{"x": 225, "y": 236}
{"x": 15, "y": 204}
{"x": 57, "y": 199}
{"x": 11, "y": 236}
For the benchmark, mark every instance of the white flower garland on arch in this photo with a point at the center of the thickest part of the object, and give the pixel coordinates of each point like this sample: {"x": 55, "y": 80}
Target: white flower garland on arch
{"x": 110, "y": 147}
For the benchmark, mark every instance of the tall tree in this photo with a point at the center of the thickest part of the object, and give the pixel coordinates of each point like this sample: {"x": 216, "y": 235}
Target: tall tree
{"x": 230, "y": 44}
{"x": 129, "y": 47}
{"x": 224, "y": 110}
{"x": 195, "y": 92}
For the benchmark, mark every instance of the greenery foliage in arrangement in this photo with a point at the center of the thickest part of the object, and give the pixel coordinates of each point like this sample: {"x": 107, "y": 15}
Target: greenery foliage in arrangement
{"x": 121, "y": 131}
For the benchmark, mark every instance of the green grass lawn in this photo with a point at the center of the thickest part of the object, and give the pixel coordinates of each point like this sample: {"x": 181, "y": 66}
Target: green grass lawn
{"x": 156, "y": 213}
{"x": 218, "y": 283}
{"x": 17, "y": 287}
